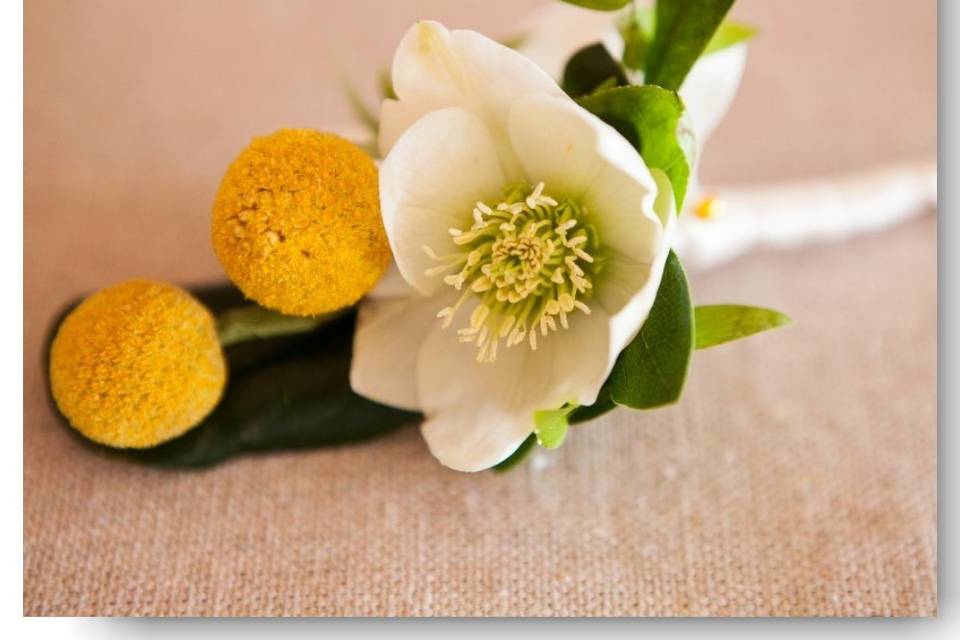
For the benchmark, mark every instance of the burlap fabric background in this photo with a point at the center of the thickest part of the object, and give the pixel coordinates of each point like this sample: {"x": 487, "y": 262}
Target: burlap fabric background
{"x": 797, "y": 477}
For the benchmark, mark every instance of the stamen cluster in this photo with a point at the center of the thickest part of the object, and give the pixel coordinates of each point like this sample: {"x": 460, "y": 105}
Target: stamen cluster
{"x": 528, "y": 259}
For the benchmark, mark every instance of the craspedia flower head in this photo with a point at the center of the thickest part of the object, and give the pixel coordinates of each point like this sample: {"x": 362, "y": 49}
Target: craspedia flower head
{"x": 296, "y": 222}
{"x": 137, "y": 364}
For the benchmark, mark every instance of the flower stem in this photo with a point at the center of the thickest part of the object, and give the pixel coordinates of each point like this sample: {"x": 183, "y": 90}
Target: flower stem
{"x": 253, "y": 322}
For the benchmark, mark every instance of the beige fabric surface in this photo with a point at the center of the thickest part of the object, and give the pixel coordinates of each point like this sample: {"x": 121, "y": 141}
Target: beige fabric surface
{"x": 796, "y": 477}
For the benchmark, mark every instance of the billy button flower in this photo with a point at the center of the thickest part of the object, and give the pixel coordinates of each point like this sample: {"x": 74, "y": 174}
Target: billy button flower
{"x": 137, "y": 364}
{"x": 296, "y": 223}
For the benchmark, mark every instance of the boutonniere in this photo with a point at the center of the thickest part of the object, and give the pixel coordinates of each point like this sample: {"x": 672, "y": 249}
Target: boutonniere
{"x": 506, "y": 272}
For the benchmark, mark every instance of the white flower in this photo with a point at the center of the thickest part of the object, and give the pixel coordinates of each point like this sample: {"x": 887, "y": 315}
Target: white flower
{"x": 555, "y": 32}
{"x": 529, "y": 240}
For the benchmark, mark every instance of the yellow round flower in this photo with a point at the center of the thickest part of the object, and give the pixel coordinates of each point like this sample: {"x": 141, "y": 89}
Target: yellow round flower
{"x": 137, "y": 364}
{"x": 296, "y": 222}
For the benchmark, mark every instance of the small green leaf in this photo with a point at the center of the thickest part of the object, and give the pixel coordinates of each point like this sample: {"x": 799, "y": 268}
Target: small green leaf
{"x": 600, "y": 5}
{"x": 683, "y": 30}
{"x": 359, "y": 106}
{"x": 636, "y": 29}
{"x": 649, "y": 118}
{"x": 728, "y": 34}
{"x": 517, "y": 456}
{"x": 720, "y": 323}
{"x": 591, "y": 68}
{"x": 386, "y": 86}
{"x": 551, "y": 427}
{"x": 651, "y": 371}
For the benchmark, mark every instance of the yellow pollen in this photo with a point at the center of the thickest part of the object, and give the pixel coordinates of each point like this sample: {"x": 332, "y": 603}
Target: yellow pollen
{"x": 529, "y": 261}
{"x": 137, "y": 364}
{"x": 296, "y": 222}
{"x": 710, "y": 207}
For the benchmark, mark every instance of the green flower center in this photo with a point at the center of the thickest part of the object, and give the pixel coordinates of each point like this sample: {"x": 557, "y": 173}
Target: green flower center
{"x": 531, "y": 261}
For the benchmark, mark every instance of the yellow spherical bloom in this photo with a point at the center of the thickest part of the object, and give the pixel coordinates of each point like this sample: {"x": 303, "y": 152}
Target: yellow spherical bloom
{"x": 137, "y": 364}
{"x": 296, "y": 222}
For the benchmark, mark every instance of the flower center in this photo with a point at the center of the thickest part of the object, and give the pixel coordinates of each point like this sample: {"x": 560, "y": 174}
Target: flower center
{"x": 530, "y": 260}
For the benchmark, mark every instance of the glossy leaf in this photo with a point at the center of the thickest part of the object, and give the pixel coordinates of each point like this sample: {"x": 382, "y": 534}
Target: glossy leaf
{"x": 652, "y": 370}
{"x": 637, "y": 27}
{"x": 649, "y": 118}
{"x": 590, "y": 69}
{"x": 551, "y": 427}
{"x": 683, "y": 28}
{"x": 288, "y": 392}
{"x": 603, "y": 404}
{"x": 720, "y": 323}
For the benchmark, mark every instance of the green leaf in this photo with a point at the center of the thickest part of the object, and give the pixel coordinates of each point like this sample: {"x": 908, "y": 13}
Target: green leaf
{"x": 286, "y": 392}
{"x": 253, "y": 321}
{"x": 649, "y": 118}
{"x": 683, "y": 30}
{"x": 600, "y": 5}
{"x": 728, "y": 34}
{"x": 551, "y": 427}
{"x": 386, "y": 85}
{"x": 603, "y": 405}
{"x": 651, "y": 371}
{"x": 720, "y": 323}
{"x": 636, "y": 29}
{"x": 517, "y": 456}
{"x": 637, "y": 26}
{"x": 359, "y": 106}
{"x": 591, "y": 68}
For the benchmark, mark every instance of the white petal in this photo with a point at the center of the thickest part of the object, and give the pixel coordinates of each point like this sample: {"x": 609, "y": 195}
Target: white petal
{"x": 429, "y": 183}
{"x": 710, "y": 87}
{"x": 395, "y": 118}
{"x": 392, "y": 285}
{"x": 628, "y": 288}
{"x": 478, "y": 414}
{"x": 434, "y": 68}
{"x": 386, "y": 344}
{"x": 577, "y": 155}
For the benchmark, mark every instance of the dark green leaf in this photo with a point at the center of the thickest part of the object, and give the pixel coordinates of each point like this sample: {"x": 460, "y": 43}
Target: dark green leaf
{"x": 720, "y": 323}
{"x": 651, "y": 371}
{"x": 683, "y": 28}
{"x": 586, "y": 413}
{"x": 591, "y": 68}
{"x": 637, "y": 27}
{"x": 599, "y": 5}
{"x": 649, "y": 118}
{"x": 288, "y": 392}
{"x": 517, "y": 456}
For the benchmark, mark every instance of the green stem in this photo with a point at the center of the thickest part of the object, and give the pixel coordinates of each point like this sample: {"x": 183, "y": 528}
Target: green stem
{"x": 252, "y": 322}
